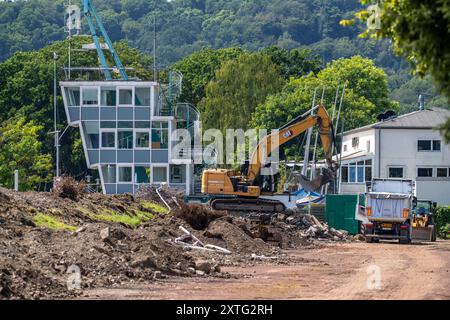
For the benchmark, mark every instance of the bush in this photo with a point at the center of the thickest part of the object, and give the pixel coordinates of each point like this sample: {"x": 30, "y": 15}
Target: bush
{"x": 198, "y": 216}
{"x": 68, "y": 187}
{"x": 443, "y": 219}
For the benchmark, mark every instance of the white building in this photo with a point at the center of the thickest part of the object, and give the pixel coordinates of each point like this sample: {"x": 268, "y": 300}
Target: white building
{"x": 126, "y": 128}
{"x": 409, "y": 146}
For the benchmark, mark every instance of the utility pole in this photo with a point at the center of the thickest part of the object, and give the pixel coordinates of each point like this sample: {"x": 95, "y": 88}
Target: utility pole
{"x": 70, "y": 44}
{"x": 16, "y": 180}
{"x": 55, "y": 114}
{"x": 155, "y": 78}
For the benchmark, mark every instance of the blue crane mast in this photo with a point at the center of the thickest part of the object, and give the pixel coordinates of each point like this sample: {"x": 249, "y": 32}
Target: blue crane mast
{"x": 91, "y": 15}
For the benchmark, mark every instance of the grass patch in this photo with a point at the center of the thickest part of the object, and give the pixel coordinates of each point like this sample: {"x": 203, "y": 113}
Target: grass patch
{"x": 131, "y": 221}
{"x": 154, "y": 207}
{"x": 144, "y": 216}
{"x": 85, "y": 211}
{"x": 49, "y": 222}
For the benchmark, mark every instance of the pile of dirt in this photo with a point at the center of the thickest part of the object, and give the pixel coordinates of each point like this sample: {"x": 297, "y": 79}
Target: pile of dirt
{"x": 121, "y": 239}
{"x": 236, "y": 237}
{"x": 172, "y": 196}
{"x": 197, "y": 216}
{"x": 44, "y": 236}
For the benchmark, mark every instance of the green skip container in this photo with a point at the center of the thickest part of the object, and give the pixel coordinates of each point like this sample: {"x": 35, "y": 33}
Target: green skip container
{"x": 340, "y": 212}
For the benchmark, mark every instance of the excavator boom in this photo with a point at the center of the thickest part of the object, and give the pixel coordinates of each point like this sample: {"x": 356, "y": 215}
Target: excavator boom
{"x": 290, "y": 131}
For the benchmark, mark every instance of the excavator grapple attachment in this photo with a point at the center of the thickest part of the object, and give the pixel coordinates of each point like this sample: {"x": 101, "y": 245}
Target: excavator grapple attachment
{"x": 327, "y": 175}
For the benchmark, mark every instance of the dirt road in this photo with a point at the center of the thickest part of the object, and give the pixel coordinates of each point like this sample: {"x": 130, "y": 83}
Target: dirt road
{"x": 337, "y": 271}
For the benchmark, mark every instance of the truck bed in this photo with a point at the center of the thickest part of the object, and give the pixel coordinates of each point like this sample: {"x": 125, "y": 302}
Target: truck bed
{"x": 388, "y": 206}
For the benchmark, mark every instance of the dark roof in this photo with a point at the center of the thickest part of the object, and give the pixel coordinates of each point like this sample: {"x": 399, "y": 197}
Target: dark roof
{"x": 422, "y": 119}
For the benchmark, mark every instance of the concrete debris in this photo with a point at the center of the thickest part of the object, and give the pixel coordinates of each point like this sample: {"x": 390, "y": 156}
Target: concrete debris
{"x": 188, "y": 240}
{"x": 200, "y": 272}
{"x": 104, "y": 234}
{"x": 205, "y": 266}
{"x": 256, "y": 257}
{"x": 157, "y": 275}
{"x": 313, "y": 228}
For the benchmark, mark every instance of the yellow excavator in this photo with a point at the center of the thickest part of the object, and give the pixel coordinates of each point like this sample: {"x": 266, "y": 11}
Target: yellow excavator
{"x": 245, "y": 190}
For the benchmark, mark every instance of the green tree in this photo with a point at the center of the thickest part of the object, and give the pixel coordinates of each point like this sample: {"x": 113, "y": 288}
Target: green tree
{"x": 418, "y": 30}
{"x": 20, "y": 150}
{"x": 239, "y": 86}
{"x": 199, "y": 69}
{"x": 363, "y": 78}
{"x": 365, "y": 97}
{"x": 294, "y": 63}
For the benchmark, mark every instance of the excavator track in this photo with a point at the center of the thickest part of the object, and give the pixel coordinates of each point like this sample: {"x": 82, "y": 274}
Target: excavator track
{"x": 247, "y": 205}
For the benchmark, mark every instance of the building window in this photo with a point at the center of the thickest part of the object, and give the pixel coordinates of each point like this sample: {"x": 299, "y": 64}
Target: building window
{"x": 159, "y": 174}
{"x": 177, "y": 174}
{"x": 125, "y": 124}
{"x": 92, "y": 134}
{"x": 125, "y": 174}
{"x": 142, "y": 174}
{"x": 125, "y": 139}
{"x": 125, "y": 97}
{"x": 429, "y": 145}
{"x": 360, "y": 172}
{"x": 90, "y": 97}
{"x": 352, "y": 173}
{"x": 368, "y": 145}
{"x": 109, "y": 173}
{"x": 73, "y": 97}
{"x": 425, "y": 172}
{"x": 368, "y": 171}
{"x": 108, "y": 139}
{"x": 357, "y": 172}
{"x": 142, "y": 124}
{"x": 344, "y": 174}
{"x": 108, "y": 97}
{"x": 142, "y": 97}
{"x": 345, "y": 148}
{"x": 396, "y": 172}
{"x": 160, "y": 135}
{"x": 355, "y": 142}
{"x": 443, "y": 172}
{"x": 436, "y": 145}
{"x": 108, "y": 124}
{"x": 142, "y": 139}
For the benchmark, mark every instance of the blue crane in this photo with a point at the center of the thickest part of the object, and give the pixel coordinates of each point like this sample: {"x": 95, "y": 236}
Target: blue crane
{"x": 91, "y": 15}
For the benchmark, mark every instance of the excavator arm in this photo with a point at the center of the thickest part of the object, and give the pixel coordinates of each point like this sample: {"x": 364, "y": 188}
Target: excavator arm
{"x": 290, "y": 131}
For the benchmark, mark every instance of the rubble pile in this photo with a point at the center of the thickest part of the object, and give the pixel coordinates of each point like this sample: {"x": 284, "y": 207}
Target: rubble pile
{"x": 121, "y": 239}
{"x": 97, "y": 234}
{"x": 312, "y": 228}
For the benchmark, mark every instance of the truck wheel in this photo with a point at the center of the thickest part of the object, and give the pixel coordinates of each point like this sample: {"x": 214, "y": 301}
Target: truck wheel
{"x": 433, "y": 233}
{"x": 404, "y": 233}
